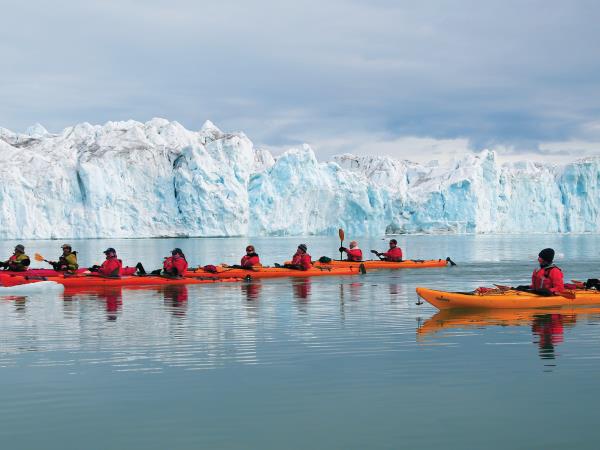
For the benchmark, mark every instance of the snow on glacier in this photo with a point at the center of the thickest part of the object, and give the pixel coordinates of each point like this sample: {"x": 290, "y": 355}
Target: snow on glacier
{"x": 132, "y": 179}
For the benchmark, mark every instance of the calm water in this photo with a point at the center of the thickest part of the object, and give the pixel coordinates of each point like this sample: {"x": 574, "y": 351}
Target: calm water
{"x": 326, "y": 362}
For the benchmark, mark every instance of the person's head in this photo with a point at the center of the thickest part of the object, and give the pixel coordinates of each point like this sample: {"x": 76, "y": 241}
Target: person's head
{"x": 177, "y": 252}
{"x": 393, "y": 243}
{"x": 250, "y": 249}
{"x": 302, "y": 248}
{"x": 19, "y": 248}
{"x": 110, "y": 252}
{"x": 66, "y": 248}
{"x": 353, "y": 244}
{"x": 546, "y": 256}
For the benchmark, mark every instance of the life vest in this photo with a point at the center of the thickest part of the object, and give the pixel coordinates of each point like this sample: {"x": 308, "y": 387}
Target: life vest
{"x": 303, "y": 260}
{"x": 394, "y": 254}
{"x": 111, "y": 267}
{"x": 68, "y": 262}
{"x": 19, "y": 263}
{"x": 354, "y": 254}
{"x": 175, "y": 265}
{"x": 549, "y": 277}
{"x": 250, "y": 260}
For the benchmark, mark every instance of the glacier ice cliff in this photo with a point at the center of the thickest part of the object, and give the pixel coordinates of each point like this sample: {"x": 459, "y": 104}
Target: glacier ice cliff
{"x": 132, "y": 179}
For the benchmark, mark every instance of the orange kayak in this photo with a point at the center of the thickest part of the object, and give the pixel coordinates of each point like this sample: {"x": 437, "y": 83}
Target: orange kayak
{"x": 506, "y": 300}
{"x": 377, "y": 264}
{"x": 96, "y": 281}
{"x": 274, "y": 272}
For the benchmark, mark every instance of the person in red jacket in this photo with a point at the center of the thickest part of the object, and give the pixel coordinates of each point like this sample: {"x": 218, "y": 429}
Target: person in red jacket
{"x": 548, "y": 277}
{"x": 176, "y": 264}
{"x": 250, "y": 259}
{"x": 354, "y": 253}
{"x": 393, "y": 254}
{"x": 111, "y": 267}
{"x": 301, "y": 259}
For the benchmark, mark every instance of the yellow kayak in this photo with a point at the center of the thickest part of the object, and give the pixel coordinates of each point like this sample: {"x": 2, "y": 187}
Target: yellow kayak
{"x": 509, "y": 299}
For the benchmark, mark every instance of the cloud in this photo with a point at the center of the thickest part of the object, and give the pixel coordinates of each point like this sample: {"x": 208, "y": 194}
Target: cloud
{"x": 412, "y": 76}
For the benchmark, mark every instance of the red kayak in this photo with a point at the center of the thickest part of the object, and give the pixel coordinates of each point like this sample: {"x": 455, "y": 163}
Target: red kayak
{"x": 54, "y": 273}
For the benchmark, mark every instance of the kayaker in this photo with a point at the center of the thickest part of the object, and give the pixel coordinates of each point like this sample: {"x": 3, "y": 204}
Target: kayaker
{"x": 176, "y": 264}
{"x": 548, "y": 277}
{"x": 301, "y": 259}
{"x": 393, "y": 254}
{"x": 18, "y": 262}
{"x": 354, "y": 253}
{"x": 67, "y": 262}
{"x": 250, "y": 259}
{"x": 111, "y": 267}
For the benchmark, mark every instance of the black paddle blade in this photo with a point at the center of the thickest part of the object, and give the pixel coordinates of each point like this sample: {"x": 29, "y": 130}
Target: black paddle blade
{"x": 375, "y": 252}
{"x": 362, "y": 269}
{"x": 452, "y": 263}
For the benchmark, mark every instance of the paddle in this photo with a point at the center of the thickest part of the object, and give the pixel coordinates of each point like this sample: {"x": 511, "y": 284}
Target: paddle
{"x": 341, "y": 235}
{"x": 40, "y": 258}
{"x": 566, "y": 293}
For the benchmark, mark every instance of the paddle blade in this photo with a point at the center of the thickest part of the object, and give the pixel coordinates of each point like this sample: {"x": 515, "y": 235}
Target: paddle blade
{"x": 341, "y": 234}
{"x": 38, "y": 257}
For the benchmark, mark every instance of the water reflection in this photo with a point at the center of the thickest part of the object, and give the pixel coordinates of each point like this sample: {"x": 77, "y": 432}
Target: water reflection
{"x": 251, "y": 290}
{"x": 176, "y": 299}
{"x": 301, "y": 287}
{"x": 547, "y": 327}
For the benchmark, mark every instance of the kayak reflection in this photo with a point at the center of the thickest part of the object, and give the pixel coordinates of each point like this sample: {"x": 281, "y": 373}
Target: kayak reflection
{"x": 301, "y": 288}
{"x": 176, "y": 297}
{"x": 547, "y": 326}
{"x": 251, "y": 289}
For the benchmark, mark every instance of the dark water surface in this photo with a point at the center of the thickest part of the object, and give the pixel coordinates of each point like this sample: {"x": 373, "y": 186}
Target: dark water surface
{"x": 328, "y": 362}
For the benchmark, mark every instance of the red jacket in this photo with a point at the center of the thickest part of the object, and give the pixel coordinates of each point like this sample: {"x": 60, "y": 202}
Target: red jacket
{"x": 250, "y": 260}
{"x": 303, "y": 260}
{"x": 111, "y": 267}
{"x": 175, "y": 265}
{"x": 550, "y": 278}
{"x": 394, "y": 254}
{"x": 354, "y": 254}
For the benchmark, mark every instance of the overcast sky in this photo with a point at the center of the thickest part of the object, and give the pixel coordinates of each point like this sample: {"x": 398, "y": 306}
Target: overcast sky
{"x": 416, "y": 80}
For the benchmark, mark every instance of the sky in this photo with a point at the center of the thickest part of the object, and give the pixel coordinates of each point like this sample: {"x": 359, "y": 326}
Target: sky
{"x": 414, "y": 80}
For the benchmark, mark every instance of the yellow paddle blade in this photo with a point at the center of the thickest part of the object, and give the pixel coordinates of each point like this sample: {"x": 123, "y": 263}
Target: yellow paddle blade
{"x": 341, "y": 234}
{"x": 38, "y": 257}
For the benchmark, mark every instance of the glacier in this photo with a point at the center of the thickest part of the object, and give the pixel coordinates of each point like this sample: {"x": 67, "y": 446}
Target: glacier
{"x": 131, "y": 179}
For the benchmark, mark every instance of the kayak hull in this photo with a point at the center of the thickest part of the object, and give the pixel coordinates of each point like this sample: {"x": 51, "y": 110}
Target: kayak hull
{"x": 54, "y": 273}
{"x": 375, "y": 264}
{"x": 95, "y": 281}
{"x": 275, "y": 272}
{"x": 505, "y": 300}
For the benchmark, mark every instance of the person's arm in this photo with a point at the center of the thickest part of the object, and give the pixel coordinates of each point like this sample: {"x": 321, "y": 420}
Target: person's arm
{"x": 558, "y": 284}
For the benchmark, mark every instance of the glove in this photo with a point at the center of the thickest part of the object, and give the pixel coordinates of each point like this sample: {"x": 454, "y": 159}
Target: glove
{"x": 342, "y": 249}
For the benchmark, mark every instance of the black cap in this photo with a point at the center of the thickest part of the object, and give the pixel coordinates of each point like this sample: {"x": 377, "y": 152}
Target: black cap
{"x": 20, "y": 248}
{"x": 547, "y": 254}
{"x": 303, "y": 247}
{"x": 176, "y": 251}
{"x": 109, "y": 250}
{"x": 393, "y": 241}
